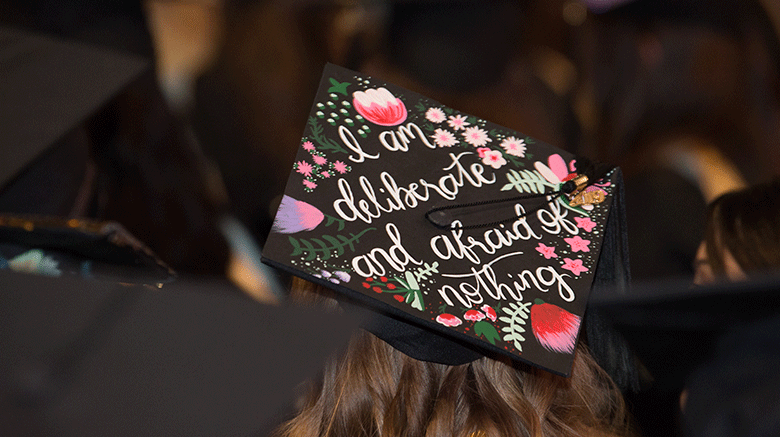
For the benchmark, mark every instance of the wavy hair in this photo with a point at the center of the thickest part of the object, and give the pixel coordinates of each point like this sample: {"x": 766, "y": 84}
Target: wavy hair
{"x": 374, "y": 390}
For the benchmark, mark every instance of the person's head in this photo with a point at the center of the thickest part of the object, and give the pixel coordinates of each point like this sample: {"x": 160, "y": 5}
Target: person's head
{"x": 742, "y": 235}
{"x": 374, "y": 389}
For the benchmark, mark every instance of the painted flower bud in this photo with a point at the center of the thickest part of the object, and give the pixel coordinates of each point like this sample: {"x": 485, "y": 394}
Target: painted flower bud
{"x": 379, "y": 106}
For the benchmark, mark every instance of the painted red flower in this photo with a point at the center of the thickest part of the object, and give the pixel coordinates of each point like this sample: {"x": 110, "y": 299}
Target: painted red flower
{"x": 448, "y": 320}
{"x": 489, "y": 312}
{"x": 473, "y": 315}
{"x": 555, "y": 328}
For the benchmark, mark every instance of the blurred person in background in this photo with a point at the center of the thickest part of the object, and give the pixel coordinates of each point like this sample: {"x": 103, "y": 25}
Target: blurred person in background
{"x": 685, "y": 97}
{"x": 742, "y": 235}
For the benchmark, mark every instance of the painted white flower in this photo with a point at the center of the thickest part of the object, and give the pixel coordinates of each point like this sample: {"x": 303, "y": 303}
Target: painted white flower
{"x": 476, "y": 136}
{"x": 457, "y": 122}
{"x": 494, "y": 158}
{"x": 444, "y": 138}
{"x": 513, "y": 146}
{"x": 435, "y": 115}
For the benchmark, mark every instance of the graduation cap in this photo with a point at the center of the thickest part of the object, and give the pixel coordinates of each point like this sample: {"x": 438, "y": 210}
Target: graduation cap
{"x": 196, "y": 357}
{"x": 467, "y": 238}
{"x": 689, "y": 339}
{"x": 49, "y": 87}
{"x": 673, "y": 327}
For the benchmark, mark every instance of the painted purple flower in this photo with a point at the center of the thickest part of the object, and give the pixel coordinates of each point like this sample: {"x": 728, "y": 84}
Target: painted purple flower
{"x": 344, "y": 276}
{"x": 379, "y": 106}
{"x": 296, "y": 216}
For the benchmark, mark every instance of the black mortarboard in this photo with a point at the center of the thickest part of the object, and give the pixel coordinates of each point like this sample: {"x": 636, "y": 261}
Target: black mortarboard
{"x": 84, "y": 357}
{"x": 465, "y": 236}
{"x": 49, "y": 87}
{"x": 674, "y": 327}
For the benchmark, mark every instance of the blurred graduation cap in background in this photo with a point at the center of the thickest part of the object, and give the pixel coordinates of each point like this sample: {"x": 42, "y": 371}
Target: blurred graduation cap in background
{"x": 674, "y": 327}
{"x": 84, "y": 357}
{"x": 51, "y": 87}
{"x": 675, "y": 330}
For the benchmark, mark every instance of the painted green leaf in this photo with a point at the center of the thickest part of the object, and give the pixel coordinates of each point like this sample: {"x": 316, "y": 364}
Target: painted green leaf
{"x": 483, "y": 328}
{"x": 338, "y": 87}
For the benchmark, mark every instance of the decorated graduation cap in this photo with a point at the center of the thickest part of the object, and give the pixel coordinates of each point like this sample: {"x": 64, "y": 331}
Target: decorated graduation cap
{"x": 468, "y": 238}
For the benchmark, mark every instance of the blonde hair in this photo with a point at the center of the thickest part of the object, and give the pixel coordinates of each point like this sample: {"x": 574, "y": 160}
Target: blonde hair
{"x": 374, "y": 390}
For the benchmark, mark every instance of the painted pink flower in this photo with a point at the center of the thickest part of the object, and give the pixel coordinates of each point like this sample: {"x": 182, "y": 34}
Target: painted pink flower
{"x": 310, "y": 185}
{"x": 578, "y": 244}
{"x": 574, "y": 265}
{"x": 585, "y": 223}
{"x": 296, "y": 216}
{"x": 379, "y": 106}
{"x": 319, "y": 160}
{"x": 325, "y": 174}
{"x": 303, "y": 168}
{"x": 308, "y": 146}
{"x": 489, "y": 312}
{"x": 435, "y": 115}
{"x": 457, "y": 122}
{"x": 556, "y": 170}
{"x": 340, "y": 167}
{"x": 494, "y": 158}
{"x": 476, "y": 136}
{"x": 448, "y": 320}
{"x": 482, "y": 150}
{"x": 473, "y": 315}
{"x": 444, "y": 138}
{"x": 547, "y": 251}
{"x": 513, "y": 146}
